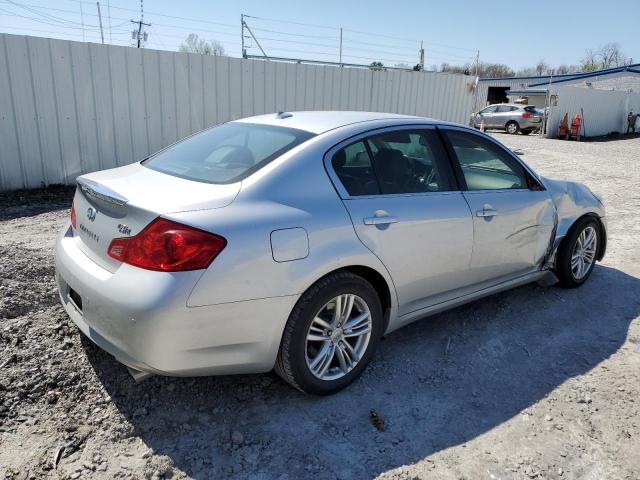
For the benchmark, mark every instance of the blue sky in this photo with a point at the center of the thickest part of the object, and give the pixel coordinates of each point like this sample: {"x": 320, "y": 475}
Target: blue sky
{"x": 516, "y": 33}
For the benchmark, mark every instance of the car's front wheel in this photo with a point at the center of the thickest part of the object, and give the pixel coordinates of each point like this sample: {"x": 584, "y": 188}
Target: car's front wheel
{"x": 577, "y": 253}
{"x": 331, "y": 334}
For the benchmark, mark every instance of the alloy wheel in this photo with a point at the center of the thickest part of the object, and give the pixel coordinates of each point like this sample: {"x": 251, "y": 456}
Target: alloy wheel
{"x": 584, "y": 252}
{"x": 338, "y": 337}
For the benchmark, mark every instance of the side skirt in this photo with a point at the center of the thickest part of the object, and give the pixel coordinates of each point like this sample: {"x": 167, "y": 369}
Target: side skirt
{"x": 545, "y": 278}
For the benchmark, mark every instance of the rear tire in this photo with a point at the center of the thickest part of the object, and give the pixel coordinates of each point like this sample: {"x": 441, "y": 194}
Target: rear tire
{"x": 512, "y": 127}
{"x": 313, "y": 328}
{"x": 577, "y": 253}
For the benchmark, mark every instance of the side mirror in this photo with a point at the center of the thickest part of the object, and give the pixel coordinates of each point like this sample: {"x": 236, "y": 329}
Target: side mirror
{"x": 517, "y": 151}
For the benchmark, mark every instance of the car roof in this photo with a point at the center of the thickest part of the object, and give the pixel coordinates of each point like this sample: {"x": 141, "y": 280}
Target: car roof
{"x": 507, "y": 105}
{"x": 322, "y": 121}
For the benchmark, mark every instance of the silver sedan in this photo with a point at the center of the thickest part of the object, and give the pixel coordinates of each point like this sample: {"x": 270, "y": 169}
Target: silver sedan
{"x": 295, "y": 241}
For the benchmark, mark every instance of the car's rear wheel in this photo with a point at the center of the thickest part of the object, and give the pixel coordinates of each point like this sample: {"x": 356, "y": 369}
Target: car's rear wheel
{"x": 512, "y": 127}
{"x": 577, "y": 253}
{"x": 331, "y": 334}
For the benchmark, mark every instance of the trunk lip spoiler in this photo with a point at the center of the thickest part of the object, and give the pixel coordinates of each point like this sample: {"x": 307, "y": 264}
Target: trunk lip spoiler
{"x": 101, "y": 192}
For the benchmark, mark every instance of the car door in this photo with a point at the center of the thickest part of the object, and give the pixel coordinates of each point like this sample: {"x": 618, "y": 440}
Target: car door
{"x": 513, "y": 215}
{"x": 400, "y": 191}
{"x": 503, "y": 114}
{"x": 487, "y": 114}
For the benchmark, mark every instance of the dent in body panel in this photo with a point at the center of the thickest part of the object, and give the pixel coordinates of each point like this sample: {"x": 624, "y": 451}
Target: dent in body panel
{"x": 572, "y": 200}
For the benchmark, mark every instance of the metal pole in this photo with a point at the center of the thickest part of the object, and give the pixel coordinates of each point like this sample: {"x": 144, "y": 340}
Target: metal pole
{"x": 109, "y": 15}
{"x": 82, "y": 20}
{"x": 100, "y": 20}
{"x": 257, "y": 42}
{"x": 340, "y": 45}
{"x": 244, "y": 54}
{"x": 477, "y": 62}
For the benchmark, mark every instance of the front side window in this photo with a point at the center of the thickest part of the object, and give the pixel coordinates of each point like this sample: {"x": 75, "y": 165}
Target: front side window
{"x": 484, "y": 165}
{"x": 490, "y": 109}
{"x": 227, "y": 153}
{"x": 399, "y": 162}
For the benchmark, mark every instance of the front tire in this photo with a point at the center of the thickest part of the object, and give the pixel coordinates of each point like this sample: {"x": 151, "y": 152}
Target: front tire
{"x": 512, "y": 127}
{"x": 577, "y": 253}
{"x": 331, "y": 334}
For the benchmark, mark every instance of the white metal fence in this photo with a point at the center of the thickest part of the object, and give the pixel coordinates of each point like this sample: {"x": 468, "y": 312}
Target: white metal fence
{"x": 68, "y": 108}
{"x": 603, "y": 111}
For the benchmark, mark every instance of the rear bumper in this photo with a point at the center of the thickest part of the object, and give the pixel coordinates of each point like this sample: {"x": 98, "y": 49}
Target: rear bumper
{"x": 141, "y": 318}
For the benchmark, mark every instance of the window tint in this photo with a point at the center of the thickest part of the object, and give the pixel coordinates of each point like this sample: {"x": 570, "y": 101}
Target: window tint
{"x": 490, "y": 109}
{"x": 227, "y": 153}
{"x": 485, "y": 165}
{"x": 352, "y": 164}
{"x": 403, "y": 161}
{"x": 409, "y": 162}
{"x": 504, "y": 108}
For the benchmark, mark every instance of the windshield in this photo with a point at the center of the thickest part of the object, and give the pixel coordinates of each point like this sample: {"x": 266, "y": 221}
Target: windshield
{"x": 227, "y": 153}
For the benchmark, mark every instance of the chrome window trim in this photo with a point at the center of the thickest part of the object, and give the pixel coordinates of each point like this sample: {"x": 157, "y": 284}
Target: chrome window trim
{"x": 526, "y": 167}
{"x": 342, "y": 192}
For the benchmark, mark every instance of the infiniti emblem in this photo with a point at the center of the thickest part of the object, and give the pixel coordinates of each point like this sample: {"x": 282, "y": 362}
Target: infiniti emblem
{"x": 91, "y": 214}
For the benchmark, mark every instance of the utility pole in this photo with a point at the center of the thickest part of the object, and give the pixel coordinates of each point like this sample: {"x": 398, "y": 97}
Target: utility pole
{"x": 477, "y": 62}
{"x": 82, "y": 20}
{"x": 244, "y": 25}
{"x": 139, "y": 35}
{"x": 421, "y": 59}
{"x": 340, "y": 46}
{"x": 244, "y": 52}
{"x": 109, "y": 15}
{"x": 100, "y": 20}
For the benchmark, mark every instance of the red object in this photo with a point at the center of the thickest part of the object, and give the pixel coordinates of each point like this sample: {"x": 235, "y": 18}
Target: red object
{"x": 527, "y": 115}
{"x": 73, "y": 214}
{"x": 563, "y": 131}
{"x": 575, "y": 125}
{"x": 168, "y": 246}
{"x": 482, "y": 125}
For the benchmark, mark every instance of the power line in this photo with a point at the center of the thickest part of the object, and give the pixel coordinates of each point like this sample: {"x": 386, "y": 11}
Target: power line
{"x": 293, "y": 23}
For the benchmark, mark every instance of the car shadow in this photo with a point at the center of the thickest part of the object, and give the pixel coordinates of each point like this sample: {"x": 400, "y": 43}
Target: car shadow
{"x": 27, "y": 203}
{"x": 437, "y": 383}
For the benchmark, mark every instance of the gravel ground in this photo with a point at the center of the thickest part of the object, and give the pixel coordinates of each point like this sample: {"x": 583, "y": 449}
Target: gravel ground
{"x": 532, "y": 383}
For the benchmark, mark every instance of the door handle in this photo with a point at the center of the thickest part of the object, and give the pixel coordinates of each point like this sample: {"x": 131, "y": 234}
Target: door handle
{"x": 381, "y": 220}
{"x": 486, "y": 212}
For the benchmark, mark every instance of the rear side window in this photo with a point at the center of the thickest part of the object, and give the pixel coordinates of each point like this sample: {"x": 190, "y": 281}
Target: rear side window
{"x": 398, "y": 162}
{"x": 353, "y": 166}
{"x": 227, "y": 153}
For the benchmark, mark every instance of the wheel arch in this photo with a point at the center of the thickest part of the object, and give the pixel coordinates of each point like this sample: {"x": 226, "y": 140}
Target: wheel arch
{"x": 376, "y": 279}
{"x": 602, "y": 245}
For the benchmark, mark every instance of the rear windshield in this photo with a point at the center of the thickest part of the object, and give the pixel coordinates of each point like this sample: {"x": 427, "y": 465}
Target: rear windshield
{"x": 530, "y": 109}
{"x": 227, "y": 153}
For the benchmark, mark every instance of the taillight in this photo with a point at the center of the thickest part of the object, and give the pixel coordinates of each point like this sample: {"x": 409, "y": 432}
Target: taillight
{"x": 73, "y": 214}
{"x": 526, "y": 115}
{"x": 168, "y": 246}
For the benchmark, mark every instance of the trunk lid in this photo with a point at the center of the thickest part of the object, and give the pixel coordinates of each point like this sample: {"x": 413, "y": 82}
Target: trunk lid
{"x": 122, "y": 201}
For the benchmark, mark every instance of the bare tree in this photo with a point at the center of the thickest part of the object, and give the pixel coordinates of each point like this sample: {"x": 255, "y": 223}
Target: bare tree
{"x": 195, "y": 44}
{"x": 611, "y": 56}
{"x": 542, "y": 68}
{"x": 489, "y": 70}
{"x": 590, "y": 61}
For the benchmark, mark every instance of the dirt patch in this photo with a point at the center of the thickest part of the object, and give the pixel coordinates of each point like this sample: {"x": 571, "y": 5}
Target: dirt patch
{"x": 532, "y": 383}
